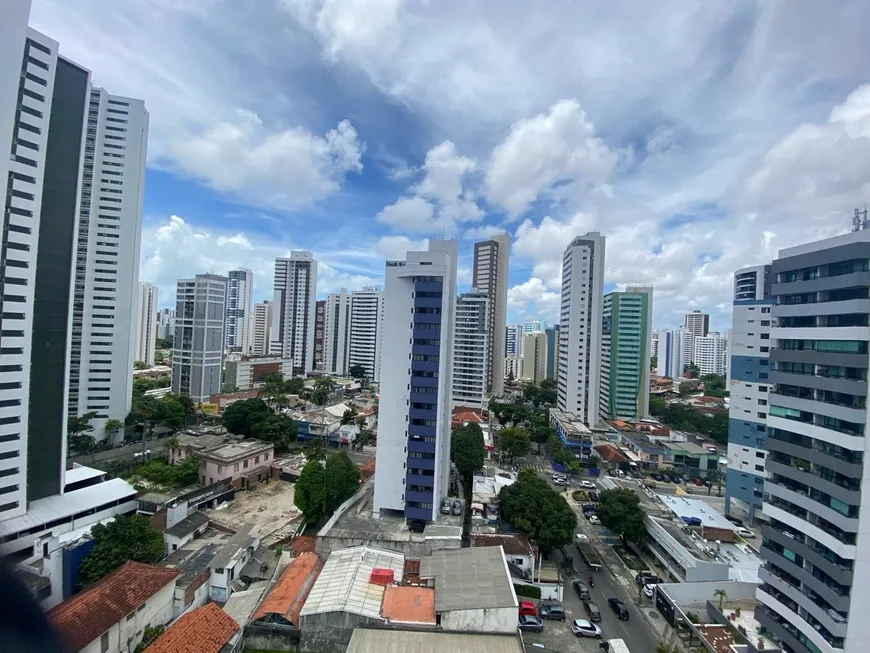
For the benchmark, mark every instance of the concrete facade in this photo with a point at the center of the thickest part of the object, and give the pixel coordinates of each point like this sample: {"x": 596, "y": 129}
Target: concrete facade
{"x": 490, "y": 276}
{"x": 240, "y": 297}
{"x": 471, "y": 347}
{"x": 367, "y": 330}
{"x": 336, "y": 333}
{"x": 293, "y": 310}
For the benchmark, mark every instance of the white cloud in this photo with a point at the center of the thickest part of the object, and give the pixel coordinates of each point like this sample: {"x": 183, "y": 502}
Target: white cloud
{"x": 393, "y": 248}
{"x": 532, "y": 298}
{"x": 483, "y": 232}
{"x": 410, "y": 214}
{"x": 559, "y": 146}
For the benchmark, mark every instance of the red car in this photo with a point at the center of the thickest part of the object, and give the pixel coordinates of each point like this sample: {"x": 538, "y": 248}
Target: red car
{"x": 698, "y": 482}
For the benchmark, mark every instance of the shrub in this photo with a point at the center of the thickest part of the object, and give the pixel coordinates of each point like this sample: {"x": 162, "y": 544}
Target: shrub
{"x": 528, "y": 591}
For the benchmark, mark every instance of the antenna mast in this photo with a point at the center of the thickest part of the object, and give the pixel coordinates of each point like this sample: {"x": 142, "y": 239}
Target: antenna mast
{"x": 859, "y": 220}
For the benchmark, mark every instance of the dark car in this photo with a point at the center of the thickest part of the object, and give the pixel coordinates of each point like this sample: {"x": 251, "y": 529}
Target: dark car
{"x": 588, "y": 507}
{"x": 647, "y": 578}
{"x": 531, "y": 624}
{"x": 593, "y": 496}
{"x": 592, "y": 610}
{"x": 457, "y": 507}
{"x": 582, "y": 590}
{"x": 553, "y": 611}
{"x": 657, "y": 477}
{"x": 619, "y": 608}
{"x": 445, "y": 506}
{"x": 678, "y": 480}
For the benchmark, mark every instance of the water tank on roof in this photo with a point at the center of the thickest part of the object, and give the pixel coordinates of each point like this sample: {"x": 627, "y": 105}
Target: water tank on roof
{"x": 381, "y": 576}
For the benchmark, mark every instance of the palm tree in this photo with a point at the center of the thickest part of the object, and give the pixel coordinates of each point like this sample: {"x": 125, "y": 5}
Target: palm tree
{"x": 323, "y": 387}
{"x": 723, "y": 596}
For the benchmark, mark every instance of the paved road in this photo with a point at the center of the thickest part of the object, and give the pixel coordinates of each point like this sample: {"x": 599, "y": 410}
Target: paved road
{"x": 156, "y": 446}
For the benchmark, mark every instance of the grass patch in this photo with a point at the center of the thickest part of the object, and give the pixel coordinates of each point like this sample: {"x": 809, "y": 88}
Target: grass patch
{"x": 580, "y": 496}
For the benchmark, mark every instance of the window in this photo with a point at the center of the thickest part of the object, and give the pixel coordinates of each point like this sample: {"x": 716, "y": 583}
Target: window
{"x": 762, "y": 415}
{"x": 759, "y": 454}
{"x": 759, "y": 468}
{"x": 104, "y": 642}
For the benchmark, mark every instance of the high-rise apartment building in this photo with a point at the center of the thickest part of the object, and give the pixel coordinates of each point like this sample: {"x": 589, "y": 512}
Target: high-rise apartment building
{"x": 261, "y": 328}
{"x": 697, "y": 323}
{"x": 413, "y": 457}
{"x": 552, "y": 351}
{"x": 813, "y": 595}
{"x": 240, "y": 298}
{"x": 513, "y": 368}
{"x": 625, "y": 353}
{"x": 165, "y": 323}
{"x": 490, "y": 276}
{"x": 749, "y": 383}
{"x": 366, "y": 330}
{"x": 580, "y": 327}
{"x": 43, "y": 100}
{"x": 708, "y": 353}
{"x": 336, "y": 333}
{"x": 198, "y": 346}
{"x": 532, "y": 326}
{"x": 105, "y": 294}
{"x": 470, "y": 350}
{"x": 535, "y": 356}
{"x": 293, "y": 312}
{"x": 319, "y": 332}
{"x": 654, "y": 345}
{"x": 513, "y": 338}
{"x": 146, "y": 323}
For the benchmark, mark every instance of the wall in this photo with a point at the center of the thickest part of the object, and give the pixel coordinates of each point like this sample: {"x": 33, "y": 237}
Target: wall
{"x": 487, "y": 620}
{"x": 72, "y": 558}
{"x": 330, "y": 632}
{"x": 416, "y": 548}
{"x": 215, "y": 472}
{"x": 192, "y": 596}
{"x": 263, "y": 637}
{"x": 154, "y": 612}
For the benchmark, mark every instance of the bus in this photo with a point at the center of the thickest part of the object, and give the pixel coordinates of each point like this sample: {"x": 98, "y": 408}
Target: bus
{"x": 590, "y": 555}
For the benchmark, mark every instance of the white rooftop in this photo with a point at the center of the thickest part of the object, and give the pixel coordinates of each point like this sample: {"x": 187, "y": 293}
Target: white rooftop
{"x": 337, "y": 410}
{"x": 685, "y": 507}
{"x": 63, "y": 506}
{"x": 81, "y": 473}
{"x": 344, "y": 583}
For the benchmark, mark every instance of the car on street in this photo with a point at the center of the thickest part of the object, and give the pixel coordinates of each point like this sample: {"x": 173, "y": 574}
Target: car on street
{"x": 551, "y": 610}
{"x": 457, "y": 507}
{"x": 619, "y": 608}
{"x": 445, "y": 506}
{"x": 657, "y": 477}
{"x": 649, "y": 589}
{"x": 648, "y": 482}
{"x": 581, "y": 538}
{"x": 584, "y": 628}
{"x": 592, "y": 610}
{"x": 697, "y": 481}
{"x": 531, "y": 624}
{"x": 582, "y": 590}
{"x": 593, "y": 496}
{"x": 560, "y": 481}
{"x": 742, "y": 531}
{"x": 528, "y": 608}
{"x": 678, "y": 480}
{"x": 589, "y": 485}
{"x": 593, "y": 519}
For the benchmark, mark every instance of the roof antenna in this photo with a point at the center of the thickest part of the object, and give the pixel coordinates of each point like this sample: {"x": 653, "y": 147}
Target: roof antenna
{"x": 859, "y": 219}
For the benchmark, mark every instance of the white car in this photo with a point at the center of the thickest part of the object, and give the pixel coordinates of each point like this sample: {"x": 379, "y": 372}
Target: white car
{"x": 584, "y": 628}
{"x": 593, "y": 519}
{"x": 589, "y": 485}
{"x": 581, "y": 537}
{"x": 649, "y": 590}
{"x": 744, "y": 532}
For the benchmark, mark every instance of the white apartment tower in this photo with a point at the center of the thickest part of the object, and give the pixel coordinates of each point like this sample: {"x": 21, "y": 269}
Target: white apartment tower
{"x": 146, "y": 323}
{"x": 580, "y": 327}
{"x": 293, "y": 310}
{"x": 366, "y": 330}
{"x": 240, "y": 299}
{"x": 413, "y": 457}
{"x": 708, "y": 353}
{"x": 107, "y": 258}
{"x": 261, "y": 328}
{"x": 513, "y": 340}
{"x": 490, "y": 276}
{"x": 697, "y": 323}
{"x": 165, "y": 322}
{"x": 336, "y": 334}
{"x": 470, "y": 350}
{"x": 198, "y": 345}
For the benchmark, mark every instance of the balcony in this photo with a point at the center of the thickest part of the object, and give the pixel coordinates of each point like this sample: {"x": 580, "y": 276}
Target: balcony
{"x": 419, "y": 446}
{"x": 819, "y": 382}
{"x": 811, "y": 404}
{"x": 818, "y": 432}
{"x": 778, "y": 605}
{"x": 815, "y": 481}
{"x": 846, "y": 524}
{"x": 420, "y": 463}
{"x": 796, "y": 542}
{"x": 418, "y": 513}
{"x": 778, "y": 354}
{"x": 419, "y": 479}
{"x": 830, "y": 593}
{"x": 796, "y": 519}
{"x": 421, "y": 497}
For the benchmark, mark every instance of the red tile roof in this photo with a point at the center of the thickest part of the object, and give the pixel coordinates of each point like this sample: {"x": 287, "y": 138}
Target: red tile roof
{"x": 87, "y": 615}
{"x": 289, "y": 592}
{"x": 462, "y": 415}
{"x": 404, "y": 604}
{"x": 610, "y": 453}
{"x": 204, "y": 630}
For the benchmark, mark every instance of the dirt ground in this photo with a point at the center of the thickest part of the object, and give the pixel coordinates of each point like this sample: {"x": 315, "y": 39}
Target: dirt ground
{"x": 269, "y": 506}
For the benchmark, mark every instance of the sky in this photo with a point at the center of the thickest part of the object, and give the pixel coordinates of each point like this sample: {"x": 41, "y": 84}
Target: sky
{"x": 698, "y": 137}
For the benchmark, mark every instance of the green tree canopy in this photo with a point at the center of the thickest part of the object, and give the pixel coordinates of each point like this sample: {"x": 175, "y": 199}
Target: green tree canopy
{"x": 278, "y": 429}
{"x": 620, "y": 511}
{"x": 323, "y": 388}
{"x": 122, "y": 539}
{"x": 342, "y": 480}
{"x": 140, "y": 365}
{"x": 535, "y": 508}
{"x": 714, "y": 385}
{"x": 513, "y": 443}
{"x": 309, "y": 493}
{"x": 322, "y": 488}
{"x": 316, "y": 449}
{"x": 348, "y": 416}
{"x": 243, "y": 417}
{"x": 467, "y": 450}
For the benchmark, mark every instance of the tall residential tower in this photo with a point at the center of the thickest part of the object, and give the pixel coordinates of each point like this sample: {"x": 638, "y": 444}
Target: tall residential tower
{"x": 240, "y": 299}
{"x": 470, "y": 350}
{"x": 490, "y": 276}
{"x": 336, "y": 333}
{"x": 293, "y": 310}
{"x": 366, "y": 330}
{"x": 146, "y": 323}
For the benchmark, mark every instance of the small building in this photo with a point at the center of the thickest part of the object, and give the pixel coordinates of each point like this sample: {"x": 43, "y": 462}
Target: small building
{"x": 651, "y": 454}
{"x": 193, "y": 586}
{"x": 519, "y": 552}
{"x": 573, "y": 433}
{"x": 369, "y": 640}
{"x": 246, "y": 371}
{"x": 110, "y": 615}
{"x": 473, "y": 589}
{"x": 244, "y": 461}
{"x": 690, "y": 459}
{"x": 184, "y": 531}
{"x": 285, "y": 599}
{"x": 344, "y": 597}
{"x": 205, "y": 630}
{"x": 409, "y": 605}
{"x": 319, "y": 423}
{"x": 612, "y": 456}
{"x": 230, "y": 559}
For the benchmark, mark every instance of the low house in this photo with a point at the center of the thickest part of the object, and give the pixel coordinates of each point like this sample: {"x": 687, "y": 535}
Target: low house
{"x": 205, "y": 630}
{"x": 184, "y": 531}
{"x": 230, "y": 559}
{"x": 111, "y": 615}
{"x": 473, "y": 589}
{"x": 612, "y": 456}
{"x": 318, "y": 423}
{"x": 243, "y": 461}
{"x": 519, "y": 552}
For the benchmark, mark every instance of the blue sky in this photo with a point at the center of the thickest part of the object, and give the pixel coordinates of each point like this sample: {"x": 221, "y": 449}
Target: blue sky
{"x": 698, "y": 137}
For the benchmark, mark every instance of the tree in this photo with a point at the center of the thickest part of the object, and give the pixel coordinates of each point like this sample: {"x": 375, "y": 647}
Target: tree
{"x": 722, "y": 596}
{"x": 278, "y": 429}
{"x": 163, "y": 343}
{"x": 357, "y": 371}
{"x": 122, "y": 539}
{"x": 316, "y": 449}
{"x": 692, "y": 370}
{"x": 467, "y": 451}
{"x": 657, "y": 406}
{"x": 294, "y": 386}
{"x": 532, "y": 506}
{"x": 323, "y": 388}
{"x": 140, "y": 365}
{"x": 82, "y": 444}
{"x": 348, "y": 416}
{"x": 309, "y": 494}
{"x": 510, "y": 378}
{"x": 113, "y": 425}
{"x": 714, "y": 385}
{"x": 619, "y": 510}
{"x": 149, "y": 634}
{"x": 661, "y": 647}
{"x": 686, "y": 388}
{"x": 513, "y": 443}
{"x": 243, "y": 417}
{"x": 654, "y": 362}
{"x": 342, "y": 480}
{"x": 80, "y": 425}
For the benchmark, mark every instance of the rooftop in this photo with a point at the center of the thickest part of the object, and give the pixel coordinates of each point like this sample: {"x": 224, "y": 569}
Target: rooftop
{"x": 689, "y": 448}
{"x": 571, "y": 424}
{"x": 684, "y": 507}
{"x": 639, "y": 442}
{"x": 610, "y": 453}
{"x": 513, "y": 544}
{"x": 188, "y": 525}
{"x": 287, "y": 596}
{"x": 204, "y": 630}
{"x": 81, "y": 473}
{"x": 234, "y": 449}
{"x": 469, "y": 579}
{"x": 368, "y": 640}
{"x": 405, "y": 604}
{"x": 238, "y": 542}
{"x": 87, "y": 615}
{"x": 344, "y": 582}
{"x": 242, "y": 604}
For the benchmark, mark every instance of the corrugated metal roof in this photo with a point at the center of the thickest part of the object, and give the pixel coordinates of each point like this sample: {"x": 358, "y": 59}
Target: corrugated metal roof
{"x": 343, "y": 584}
{"x": 369, "y": 640}
{"x": 469, "y": 579}
{"x": 62, "y": 506}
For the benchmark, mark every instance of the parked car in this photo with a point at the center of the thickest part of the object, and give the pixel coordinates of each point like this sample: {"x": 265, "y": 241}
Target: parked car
{"x": 649, "y": 483}
{"x": 587, "y": 508}
{"x": 742, "y": 531}
{"x": 445, "y": 506}
{"x": 531, "y": 624}
{"x": 619, "y": 608}
{"x": 457, "y": 507}
{"x": 582, "y": 591}
{"x": 593, "y": 496}
{"x": 593, "y": 519}
{"x": 592, "y": 610}
{"x": 698, "y": 482}
{"x": 649, "y": 590}
{"x": 584, "y": 628}
{"x": 528, "y": 608}
{"x": 552, "y": 610}
{"x": 657, "y": 477}
{"x": 560, "y": 480}
{"x": 647, "y": 577}
{"x": 678, "y": 480}
{"x": 589, "y": 485}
